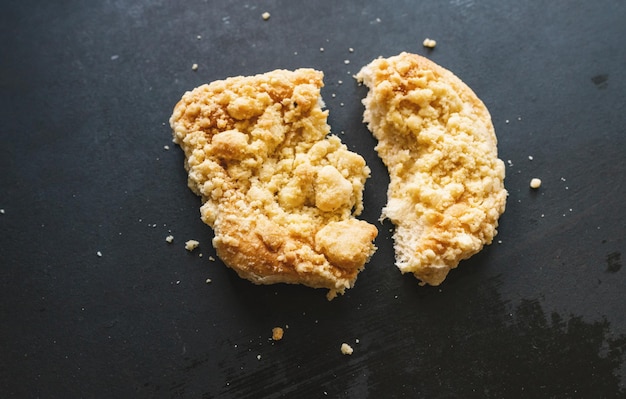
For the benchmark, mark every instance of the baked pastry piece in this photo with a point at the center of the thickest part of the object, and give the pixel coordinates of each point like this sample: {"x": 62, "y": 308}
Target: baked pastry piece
{"x": 280, "y": 193}
{"x": 436, "y": 138}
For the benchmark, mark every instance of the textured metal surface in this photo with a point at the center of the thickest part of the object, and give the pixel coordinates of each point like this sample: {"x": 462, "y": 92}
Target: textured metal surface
{"x": 86, "y": 90}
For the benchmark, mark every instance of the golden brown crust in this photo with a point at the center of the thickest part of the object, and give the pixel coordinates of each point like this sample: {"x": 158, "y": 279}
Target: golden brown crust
{"x": 257, "y": 152}
{"x": 436, "y": 138}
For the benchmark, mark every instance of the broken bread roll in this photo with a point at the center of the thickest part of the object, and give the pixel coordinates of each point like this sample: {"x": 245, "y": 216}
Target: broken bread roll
{"x": 435, "y": 136}
{"x": 280, "y": 193}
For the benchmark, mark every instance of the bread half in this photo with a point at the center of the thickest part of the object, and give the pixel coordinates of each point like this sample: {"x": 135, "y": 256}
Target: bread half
{"x": 280, "y": 193}
{"x": 436, "y": 138}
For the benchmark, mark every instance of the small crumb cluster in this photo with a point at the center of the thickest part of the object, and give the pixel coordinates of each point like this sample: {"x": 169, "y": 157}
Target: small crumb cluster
{"x": 346, "y": 349}
{"x": 190, "y": 245}
{"x": 429, "y": 43}
{"x": 266, "y": 15}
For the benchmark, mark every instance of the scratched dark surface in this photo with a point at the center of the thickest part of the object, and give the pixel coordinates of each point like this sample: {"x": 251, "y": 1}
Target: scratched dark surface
{"x": 86, "y": 90}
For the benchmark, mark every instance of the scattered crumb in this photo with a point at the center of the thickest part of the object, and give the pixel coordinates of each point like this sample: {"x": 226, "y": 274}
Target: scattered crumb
{"x": 258, "y": 357}
{"x": 266, "y": 16}
{"x": 99, "y": 254}
{"x": 2, "y": 211}
{"x": 198, "y": 37}
{"x": 535, "y": 183}
{"x": 166, "y": 147}
{"x": 530, "y": 158}
{"x": 346, "y": 349}
{"x": 114, "y": 57}
{"x": 506, "y": 121}
{"x": 200, "y": 255}
{"x": 194, "y": 67}
{"x": 212, "y": 259}
{"x": 430, "y": 43}
{"x": 277, "y": 333}
{"x": 191, "y": 245}
{"x": 357, "y": 341}
{"x": 169, "y": 238}
{"x": 346, "y": 62}
{"x": 351, "y": 50}
{"x": 321, "y": 49}
{"x": 208, "y": 281}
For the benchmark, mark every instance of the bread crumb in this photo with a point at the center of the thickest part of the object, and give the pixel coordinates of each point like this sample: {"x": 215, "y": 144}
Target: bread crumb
{"x": 530, "y": 158}
{"x": 166, "y": 147}
{"x": 346, "y": 349}
{"x": 212, "y": 259}
{"x": 169, "y": 238}
{"x": 321, "y": 49}
{"x": 190, "y": 245}
{"x": 535, "y": 183}
{"x": 194, "y": 67}
{"x": 2, "y": 211}
{"x": 346, "y": 62}
{"x": 430, "y": 43}
{"x": 99, "y": 254}
{"x": 258, "y": 357}
{"x": 208, "y": 281}
{"x": 198, "y": 37}
{"x": 277, "y": 333}
{"x": 265, "y": 16}
{"x": 351, "y": 50}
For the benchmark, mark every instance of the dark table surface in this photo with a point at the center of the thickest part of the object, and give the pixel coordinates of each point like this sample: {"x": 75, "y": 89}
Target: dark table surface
{"x": 86, "y": 91}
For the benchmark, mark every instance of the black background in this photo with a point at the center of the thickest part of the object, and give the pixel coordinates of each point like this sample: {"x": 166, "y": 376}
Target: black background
{"x": 86, "y": 91}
